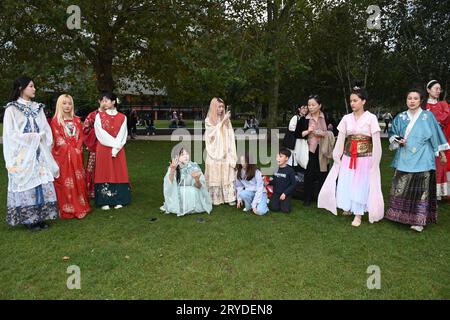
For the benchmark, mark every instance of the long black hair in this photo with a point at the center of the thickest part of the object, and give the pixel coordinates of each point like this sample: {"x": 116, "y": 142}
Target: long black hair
{"x": 18, "y": 86}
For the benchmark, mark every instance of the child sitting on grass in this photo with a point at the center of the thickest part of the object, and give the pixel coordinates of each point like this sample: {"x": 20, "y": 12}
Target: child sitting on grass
{"x": 251, "y": 192}
{"x": 283, "y": 183}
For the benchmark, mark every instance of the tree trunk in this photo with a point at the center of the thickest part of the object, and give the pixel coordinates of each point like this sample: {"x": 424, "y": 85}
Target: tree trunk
{"x": 103, "y": 68}
{"x": 274, "y": 94}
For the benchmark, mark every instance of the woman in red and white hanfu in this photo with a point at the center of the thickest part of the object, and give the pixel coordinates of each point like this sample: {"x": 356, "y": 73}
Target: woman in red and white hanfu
{"x": 441, "y": 111}
{"x": 112, "y": 184}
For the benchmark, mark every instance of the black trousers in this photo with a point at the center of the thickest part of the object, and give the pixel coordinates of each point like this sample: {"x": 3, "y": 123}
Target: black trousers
{"x": 277, "y": 205}
{"x": 386, "y": 128}
{"x": 314, "y": 179}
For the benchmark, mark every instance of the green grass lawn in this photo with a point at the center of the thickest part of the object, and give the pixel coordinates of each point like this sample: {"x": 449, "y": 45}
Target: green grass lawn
{"x": 309, "y": 254}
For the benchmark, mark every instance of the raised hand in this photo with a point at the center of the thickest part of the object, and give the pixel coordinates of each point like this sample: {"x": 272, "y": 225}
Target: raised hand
{"x": 174, "y": 164}
{"x": 195, "y": 175}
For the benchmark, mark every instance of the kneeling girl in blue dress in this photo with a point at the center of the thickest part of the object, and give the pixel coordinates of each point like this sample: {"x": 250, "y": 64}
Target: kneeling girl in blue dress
{"x": 250, "y": 189}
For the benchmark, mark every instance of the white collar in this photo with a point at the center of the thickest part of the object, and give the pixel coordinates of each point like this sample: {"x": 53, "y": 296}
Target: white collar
{"x": 413, "y": 116}
{"x": 23, "y": 101}
{"x": 432, "y": 101}
{"x": 112, "y": 112}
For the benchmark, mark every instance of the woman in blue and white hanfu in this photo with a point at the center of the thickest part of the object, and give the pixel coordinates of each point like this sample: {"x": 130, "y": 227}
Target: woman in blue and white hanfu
{"x": 27, "y": 142}
{"x": 418, "y": 139}
{"x": 185, "y": 189}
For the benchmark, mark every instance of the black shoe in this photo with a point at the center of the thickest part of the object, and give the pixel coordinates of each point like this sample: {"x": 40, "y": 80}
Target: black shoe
{"x": 307, "y": 203}
{"x": 43, "y": 225}
{"x": 33, "y": 227}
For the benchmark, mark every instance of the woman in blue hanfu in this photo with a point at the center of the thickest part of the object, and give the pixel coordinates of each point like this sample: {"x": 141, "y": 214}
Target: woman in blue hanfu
{"x": 417, "y": 138}
{"x": 27, "y": 143}
{"x": 185, "y": 189}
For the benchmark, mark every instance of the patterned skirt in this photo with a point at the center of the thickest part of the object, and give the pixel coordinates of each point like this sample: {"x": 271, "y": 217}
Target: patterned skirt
{"x": 32, "y": 206}
{"x": 413, "y": 198}
{"x": 223, "y": 194}
{"x": 112, "y": 194}
{"x": 90, "y": 174}
{"x": 441, "y": 179}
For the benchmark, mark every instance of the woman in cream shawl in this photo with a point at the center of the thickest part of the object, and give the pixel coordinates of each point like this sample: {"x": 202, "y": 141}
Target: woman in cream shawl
{"x": 221, "y": 155}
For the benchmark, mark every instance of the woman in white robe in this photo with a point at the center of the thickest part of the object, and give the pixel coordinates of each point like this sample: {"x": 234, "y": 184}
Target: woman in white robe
{"x": 27, "y": 143}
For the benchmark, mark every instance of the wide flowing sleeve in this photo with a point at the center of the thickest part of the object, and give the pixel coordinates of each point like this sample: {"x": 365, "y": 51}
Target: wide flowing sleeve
{"x": 375, "y": 202}
{"x": 393, "y": 132}
{"x": 59, "y": 145}
{"x": 438, "y": 139}
{"x": 104, "y": 137}
{"x": 19, "y": 149}
{"x": 121, "y": 138}
{"x": 327, "y": 194}
{"x": 46, "y": 144}
{"x": 89, "y": 137}
{"x": 171, "y": 196}
{"x": 215, "y": 140}
{"x": 442, "y": 113}
{"x": 230, "y": 152}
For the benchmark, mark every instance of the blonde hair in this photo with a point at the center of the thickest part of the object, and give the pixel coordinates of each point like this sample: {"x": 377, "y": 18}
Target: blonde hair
{"x": 213, "y": 107}
{"x": 59, "y": 113}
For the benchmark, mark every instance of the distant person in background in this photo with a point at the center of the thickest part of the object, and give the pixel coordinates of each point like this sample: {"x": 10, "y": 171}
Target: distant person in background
{"x": 254, "y": 124}
{"x": 181, "y": 123}
{"x": 149, "y": 124}
{"x": 387, "y": 117}
{"x": 132, "y": 122}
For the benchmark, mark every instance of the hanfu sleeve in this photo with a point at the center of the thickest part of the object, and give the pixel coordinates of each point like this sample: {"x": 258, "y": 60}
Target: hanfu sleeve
{"x": 104, "y": 137}
{"x": 80, "y": 135}
{"x": 438, "y": 139}
{"x": 89, "y": 138}
{"x": 214, "y": 140}
{"x": 121, "y": 138}
{"x": 394, "y": 131}
{"x": 46, "y": 144}
{"x": 442, "y": 113}
{"x": 45, "y": 131}
{"x": 19, "y": 149}
{"x": 338, "y": 150}
{"x": 171, "y": 196}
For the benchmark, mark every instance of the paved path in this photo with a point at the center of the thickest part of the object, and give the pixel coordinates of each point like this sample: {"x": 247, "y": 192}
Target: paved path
{"x": 250, "y": 137}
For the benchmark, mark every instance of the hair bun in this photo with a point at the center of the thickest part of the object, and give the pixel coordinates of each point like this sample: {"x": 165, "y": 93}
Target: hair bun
{"x": 357, "y": 84}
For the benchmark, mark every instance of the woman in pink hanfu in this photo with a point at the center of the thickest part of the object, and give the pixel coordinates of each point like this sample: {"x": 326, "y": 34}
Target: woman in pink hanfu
{"x": 357, "y": 156}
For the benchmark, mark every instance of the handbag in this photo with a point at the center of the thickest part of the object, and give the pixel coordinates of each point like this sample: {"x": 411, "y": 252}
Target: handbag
{"x": 301, "y": 152}
{"x": 289, "y": 139}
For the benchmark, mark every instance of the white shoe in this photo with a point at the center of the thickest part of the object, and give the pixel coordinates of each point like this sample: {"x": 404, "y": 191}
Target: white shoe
{"x": 119, "y": 206}
{"x": 417, "y": 228}
{"x": 105, "y": 208}
{"x": 245, "y": 210}
{"x": 357, "y": 221}
{"x": 232, "y": 203}
{"x": 163, "y": 210}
